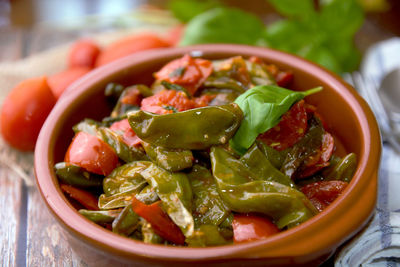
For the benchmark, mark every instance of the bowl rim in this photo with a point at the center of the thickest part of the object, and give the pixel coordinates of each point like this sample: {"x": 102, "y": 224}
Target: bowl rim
{"x": 104, "y": 239}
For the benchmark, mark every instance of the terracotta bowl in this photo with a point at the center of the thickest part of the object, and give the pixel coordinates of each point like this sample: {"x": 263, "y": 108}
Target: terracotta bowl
{"x": 311, "y": 243}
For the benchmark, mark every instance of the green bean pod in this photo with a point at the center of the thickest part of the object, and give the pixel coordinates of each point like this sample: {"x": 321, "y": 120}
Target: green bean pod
{"x": 286, "y": 205}
{"x": 208, "y": 207}
{"x": 197, "y": 128}
{"x": 100, "y": 216}
{"x": 170, "y": 159}
{"x": 175, "y": 193}
{"x": 126, "y": 222}
{"x": 77, "y": 176}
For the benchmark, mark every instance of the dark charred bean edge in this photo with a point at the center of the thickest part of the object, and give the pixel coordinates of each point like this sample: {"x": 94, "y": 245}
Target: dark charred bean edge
{"x": 126, "y": 222}
{"x": 341, "y": 169}
{"x": 224, "y": 83}
{"x": 77, "y": 176}
{"x": 113, "y": 91}
{"x": 302, "y": 150}
{"x": 100, "y": 216}
{"x": 275, "y": 157}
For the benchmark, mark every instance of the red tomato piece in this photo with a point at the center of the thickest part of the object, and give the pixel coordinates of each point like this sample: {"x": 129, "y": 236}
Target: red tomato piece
{"x": 167, "y": 100}
{"x": 159, "y": 220}
{"x": 85, "y": 198}
{"x": 24, "y": 111}
{"x": 132, "y": 96}
{"x": 187, "y": 72}
{"x": 60, "y": 81}
{"x": 284, "y": 78}
{"x": 251, "y": 227}
{"x": 289, "y": 130}
{"x": 323, "y": 193}
{"x": 130, "y": 45}
{"x": 321, "y": 159}
{"x": 83, "y": 53}
{"x": 128, "y": 135}
{"x": 92, "y": 154}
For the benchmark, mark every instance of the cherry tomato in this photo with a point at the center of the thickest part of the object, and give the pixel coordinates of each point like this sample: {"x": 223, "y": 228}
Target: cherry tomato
{"x": 170, "y": 101}
{"x": 83, "y": 54}
{"x": 85, "y": 198}
{"x": 187, "y": 72}
{"x": 92, "y": 154}
{"x": 24, "y": 111}
{"x": 289, "y": 130}
{"x": 60, "y": 81}
{"x": 159, "y": 220}
{"x": 323, "y": 193}
{"x": 128, "y": 135}
{"x": 321, "y": 159}
{"x": 248, "y": 227}
{"x": 130, "y": 45}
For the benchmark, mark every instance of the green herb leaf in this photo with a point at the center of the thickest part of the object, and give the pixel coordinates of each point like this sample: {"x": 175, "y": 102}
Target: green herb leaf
{"x": 263, "y": 107}
{"x": 176, "y": 87}
{"x": 223, "y": 25}
{"x": 185, "y": 10}
{"x": 293, "y": 7}
{"x": 341, "y": 17}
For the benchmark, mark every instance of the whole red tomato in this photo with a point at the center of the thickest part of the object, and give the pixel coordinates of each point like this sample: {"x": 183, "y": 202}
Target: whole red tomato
{"x": 83, "y": 53}
{"x": 60, "y": 81}
{"x": 130, "y": 45}
{"x": 24, "y": 111}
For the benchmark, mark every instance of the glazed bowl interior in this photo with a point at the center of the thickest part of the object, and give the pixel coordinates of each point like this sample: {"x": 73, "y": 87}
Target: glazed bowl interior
{"x": 348, "y": 118}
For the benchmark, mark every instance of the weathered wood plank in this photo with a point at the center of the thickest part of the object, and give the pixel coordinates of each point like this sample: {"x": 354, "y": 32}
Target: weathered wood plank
{"x": 10, "y": 192}
{"x": 45, "y": 244}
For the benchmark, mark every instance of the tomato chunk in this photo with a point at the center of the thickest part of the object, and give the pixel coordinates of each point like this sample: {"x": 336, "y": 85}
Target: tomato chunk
{"x": 85, "y": 198}
{"x": 92, "y": 154}
{"x": 289, "y": 130}
{"x": 248, "y": 227}
{"x": 187, "y": 72}
{"x": 170, "y": 101}
{"x": 159, "y": 220}
{"x": 323, "y": 193}
{"x": 128, "y": 135}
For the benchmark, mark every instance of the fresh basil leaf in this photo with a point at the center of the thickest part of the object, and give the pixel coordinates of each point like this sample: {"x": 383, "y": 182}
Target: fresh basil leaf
{"x": 185, "y": 10}
{"x": 291, "y": 36}
{"x": 263, "y": 107}
{"x": 290, "y": 8}
{"x": 223, "y": 25}
{"x": 345, "y": 52}
{"x": 341, "y": 17}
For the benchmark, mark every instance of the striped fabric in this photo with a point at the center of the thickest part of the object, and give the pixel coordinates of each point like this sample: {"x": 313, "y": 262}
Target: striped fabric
{"x": 379, "y": 243}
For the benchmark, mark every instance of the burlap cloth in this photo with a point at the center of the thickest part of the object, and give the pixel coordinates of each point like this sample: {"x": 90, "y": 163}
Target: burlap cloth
{"x": 54, "y": 60}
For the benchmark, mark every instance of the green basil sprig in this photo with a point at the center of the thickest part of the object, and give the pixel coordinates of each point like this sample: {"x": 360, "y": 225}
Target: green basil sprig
{"x": 263, "y": 107}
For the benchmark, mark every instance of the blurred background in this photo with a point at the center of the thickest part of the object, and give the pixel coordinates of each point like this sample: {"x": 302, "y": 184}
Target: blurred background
{"x": 73, "y": 18}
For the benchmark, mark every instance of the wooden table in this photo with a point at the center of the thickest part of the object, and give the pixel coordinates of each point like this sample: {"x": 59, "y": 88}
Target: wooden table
{"x": 28, "y": 233}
